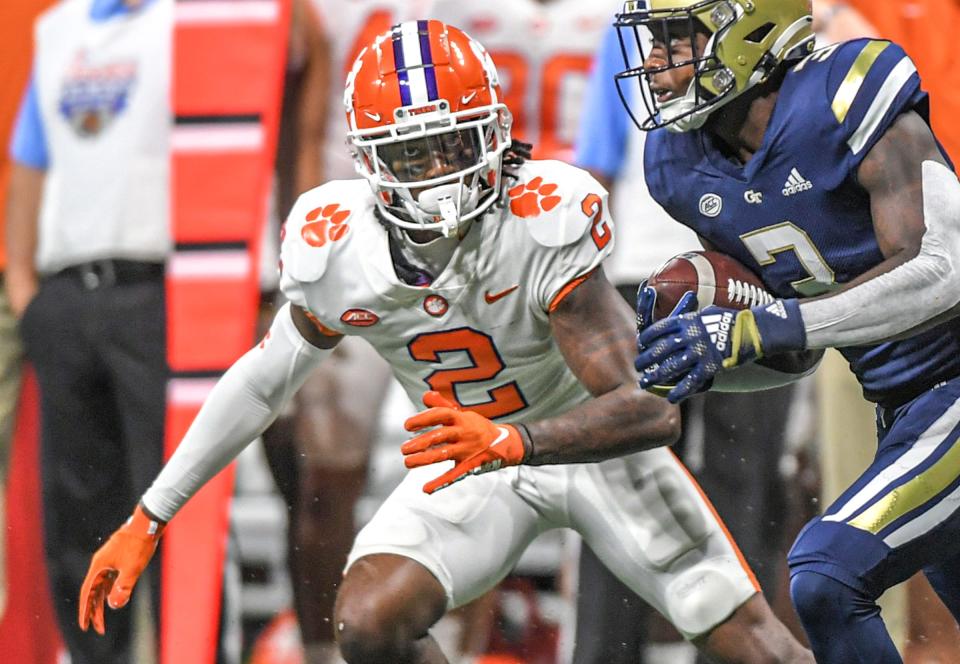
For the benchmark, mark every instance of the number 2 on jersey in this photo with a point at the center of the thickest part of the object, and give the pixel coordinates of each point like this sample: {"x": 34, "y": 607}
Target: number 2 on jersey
{"x": 485, "y": 364}
{"x": 599, "y": 231}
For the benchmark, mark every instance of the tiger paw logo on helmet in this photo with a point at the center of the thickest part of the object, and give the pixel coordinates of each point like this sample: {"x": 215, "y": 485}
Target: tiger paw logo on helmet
{"x": 531, "y": 199}
{"x": 325, "y": 224}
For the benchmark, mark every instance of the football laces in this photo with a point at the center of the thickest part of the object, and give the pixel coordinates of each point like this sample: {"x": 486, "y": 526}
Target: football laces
{"x": 742, "y": 293}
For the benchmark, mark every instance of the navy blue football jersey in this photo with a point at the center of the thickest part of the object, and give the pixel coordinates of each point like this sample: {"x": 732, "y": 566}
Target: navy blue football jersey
{"x": 795, "y": 213}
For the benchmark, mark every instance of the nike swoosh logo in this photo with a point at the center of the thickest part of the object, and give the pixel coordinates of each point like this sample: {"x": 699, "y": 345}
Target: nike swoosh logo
{"x": 466, "y": 99}
{"x": 373, "y": 116}
{"x": 491, "y": 298}
{"x": 502, "y": 437}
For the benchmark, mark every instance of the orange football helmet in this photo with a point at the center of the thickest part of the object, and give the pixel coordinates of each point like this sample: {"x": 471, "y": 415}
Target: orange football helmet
{"x": 428, "y": 125}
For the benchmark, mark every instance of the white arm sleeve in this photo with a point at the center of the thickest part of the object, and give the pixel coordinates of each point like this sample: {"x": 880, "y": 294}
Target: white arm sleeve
{"x": 239, "y": 408}
{"x": 910, "y": 294}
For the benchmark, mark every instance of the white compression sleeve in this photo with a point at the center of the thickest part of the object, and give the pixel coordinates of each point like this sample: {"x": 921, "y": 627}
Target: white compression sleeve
{"x": 239, "y": 408}
{"x": 910, "y": 294}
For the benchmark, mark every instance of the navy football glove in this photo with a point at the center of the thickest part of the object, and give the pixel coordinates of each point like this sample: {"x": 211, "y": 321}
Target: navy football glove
{"x": 646, "y": 305}
{"x": 690, "y": 349}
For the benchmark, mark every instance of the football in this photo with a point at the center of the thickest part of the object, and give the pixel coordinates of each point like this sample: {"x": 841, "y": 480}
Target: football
{"x": 716, "y": 278}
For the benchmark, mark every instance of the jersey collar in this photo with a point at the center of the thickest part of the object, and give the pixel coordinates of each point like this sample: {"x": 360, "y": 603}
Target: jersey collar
{"x": 103, "y": 10}
{"x": 748, "y": 172}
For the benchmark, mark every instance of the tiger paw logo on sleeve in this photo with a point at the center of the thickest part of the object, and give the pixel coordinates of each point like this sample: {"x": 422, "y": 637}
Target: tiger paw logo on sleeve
{"x": 531, "y": 199}
{"x": 325, "y": 224}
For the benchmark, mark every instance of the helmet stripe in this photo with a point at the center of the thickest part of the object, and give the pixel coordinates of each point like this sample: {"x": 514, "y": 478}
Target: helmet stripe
{"x": 403, "y": 80}
{"x": 412, "y": 59}
{"x": 426, "y": 57}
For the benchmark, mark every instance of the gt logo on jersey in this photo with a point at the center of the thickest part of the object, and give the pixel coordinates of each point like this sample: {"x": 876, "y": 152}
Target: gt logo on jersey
{"x": 531, "y": 199}
{"x": 753, "y": 197}
{"x": 325, "y": 224}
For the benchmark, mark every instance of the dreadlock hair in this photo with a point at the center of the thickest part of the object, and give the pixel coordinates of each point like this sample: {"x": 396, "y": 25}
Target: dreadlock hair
{"x": 516, "y": 155}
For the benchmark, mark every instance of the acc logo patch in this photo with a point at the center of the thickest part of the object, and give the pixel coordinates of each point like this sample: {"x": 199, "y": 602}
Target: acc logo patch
{"x": 711, "y": 205}
{"x": 435, "y": 305}
{"x": 359, "y": 318}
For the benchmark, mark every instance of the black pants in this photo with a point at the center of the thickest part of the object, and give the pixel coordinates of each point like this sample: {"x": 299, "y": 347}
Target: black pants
{"x": 732, "y": 444}
{"x": 99, "y": 351}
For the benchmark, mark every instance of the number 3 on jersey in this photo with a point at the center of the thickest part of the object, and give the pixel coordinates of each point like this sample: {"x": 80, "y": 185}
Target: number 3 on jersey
{"x": 485, "y": 365}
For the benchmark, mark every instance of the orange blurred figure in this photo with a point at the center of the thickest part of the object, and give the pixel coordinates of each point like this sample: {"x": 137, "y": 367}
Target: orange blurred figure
{"x": 927, "y": 29}
{"x": 279, "y": 642}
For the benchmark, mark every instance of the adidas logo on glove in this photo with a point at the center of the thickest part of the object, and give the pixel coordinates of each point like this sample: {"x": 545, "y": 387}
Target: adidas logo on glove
{"x": 718, "y": 327}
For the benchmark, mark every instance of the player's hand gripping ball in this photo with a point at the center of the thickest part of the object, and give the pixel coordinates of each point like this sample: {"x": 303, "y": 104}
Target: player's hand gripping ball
{"x": 720, "y": 316}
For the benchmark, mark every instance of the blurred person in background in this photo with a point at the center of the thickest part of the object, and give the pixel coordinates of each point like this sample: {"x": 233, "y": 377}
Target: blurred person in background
{"x": 737, "y": 465}
{"x": 87, "y": 236}
{"x": 543, "y": 50}
{"x": 16, "y": 48}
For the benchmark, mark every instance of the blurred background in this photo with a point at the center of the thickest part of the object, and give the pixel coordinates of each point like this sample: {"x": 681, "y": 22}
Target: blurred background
{"x": 244, "y": 112}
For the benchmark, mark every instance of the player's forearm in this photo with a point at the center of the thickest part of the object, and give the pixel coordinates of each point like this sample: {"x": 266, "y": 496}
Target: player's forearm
{"x": 241, "y": 406}
{"x": 23, "y": 209}
{"x": 882, "y": 306}
{"x": 619, "y": 422}
{"x": 311, "y": 111}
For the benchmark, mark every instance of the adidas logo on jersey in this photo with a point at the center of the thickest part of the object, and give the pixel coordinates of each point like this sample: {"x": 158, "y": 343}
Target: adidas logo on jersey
{"x": 718, "y": 327}
{"x": 796, "y": 183}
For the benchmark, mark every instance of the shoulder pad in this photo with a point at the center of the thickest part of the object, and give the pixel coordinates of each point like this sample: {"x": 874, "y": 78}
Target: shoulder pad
{"x": 556, "y": 202}
{"x": 866, "y": 81}
{"x": 318, "y": 224}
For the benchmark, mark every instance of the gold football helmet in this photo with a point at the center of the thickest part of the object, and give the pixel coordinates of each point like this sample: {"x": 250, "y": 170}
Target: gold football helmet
{"x": 747, "y": 41}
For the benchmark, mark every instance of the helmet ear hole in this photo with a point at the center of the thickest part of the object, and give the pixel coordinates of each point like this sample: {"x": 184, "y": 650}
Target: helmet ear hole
{"x": 758, "y": 35}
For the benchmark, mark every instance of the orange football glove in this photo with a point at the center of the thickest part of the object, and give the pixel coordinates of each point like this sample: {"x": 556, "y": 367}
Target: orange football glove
{"x": 116, "y": 566}
{"x": 473, "y": 441}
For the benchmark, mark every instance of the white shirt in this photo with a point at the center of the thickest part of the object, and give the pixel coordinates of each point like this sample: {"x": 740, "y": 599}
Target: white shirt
{"x": 103, "y": 90}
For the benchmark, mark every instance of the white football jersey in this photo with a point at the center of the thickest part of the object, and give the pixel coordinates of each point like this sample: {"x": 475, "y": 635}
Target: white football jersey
{"x": 349, "y": 25}
{"x": 480, "y": 331}
{"x": 543, "y": 52}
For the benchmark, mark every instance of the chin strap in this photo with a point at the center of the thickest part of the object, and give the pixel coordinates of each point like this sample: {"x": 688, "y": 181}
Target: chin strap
{"x": 450, "y": 216}
{"x": 447, "y": 202}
